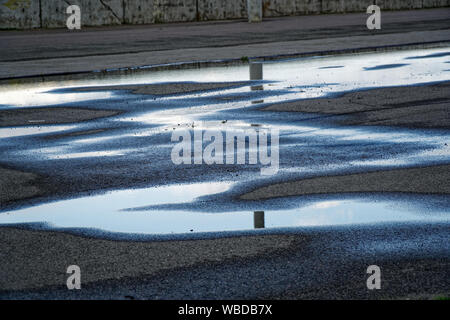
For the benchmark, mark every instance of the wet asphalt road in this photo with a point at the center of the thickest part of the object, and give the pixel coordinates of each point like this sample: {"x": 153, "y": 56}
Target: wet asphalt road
{"x": 42, "y": 52}
{"x": 321, "y": 263}
{"x": 317, "y": 263}
{"x": 147, "y": 147}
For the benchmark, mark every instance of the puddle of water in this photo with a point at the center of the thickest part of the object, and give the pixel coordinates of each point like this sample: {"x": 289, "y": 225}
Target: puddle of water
{"x": 300, "y": 78}
{"x": 353, "y": 71}
{"x": 38, "y": 97}
{"x": 296, "y": 79}
{"x": 437, "y": 154}
{"x": 93, "y": 154}
{"x": 27, "y": 131}
{"x": 109, "y": 212}
{"x": 386, "y": 66}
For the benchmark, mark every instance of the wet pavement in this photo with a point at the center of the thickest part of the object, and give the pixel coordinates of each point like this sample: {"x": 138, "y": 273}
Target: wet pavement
{"x": 43, "y": 52}
{"x": 115, "y": 173}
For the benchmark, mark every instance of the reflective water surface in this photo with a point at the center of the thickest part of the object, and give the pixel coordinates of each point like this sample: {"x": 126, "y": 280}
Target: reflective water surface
{"x": 109, "y": 212}
{"x": 302, "y": 78}
{"x": 139, "y": 139}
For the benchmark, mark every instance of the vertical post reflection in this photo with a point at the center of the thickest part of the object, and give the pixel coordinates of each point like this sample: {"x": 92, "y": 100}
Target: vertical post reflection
{"x": 258, "y": 220}
{"x": 256, "y": 73}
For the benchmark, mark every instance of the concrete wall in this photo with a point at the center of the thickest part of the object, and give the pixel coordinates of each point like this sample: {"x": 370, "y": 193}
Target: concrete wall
{"x": 218, "y": 10}
{"x": 94, "y": 13}
{"x": 23, "y": 14}
{"x": 399, "y": 4}
{"x": 174, "y": 10}
{"x": 27, "y": 14}
{"x": 274, "y": 8}
{"x": 138, "y": 11}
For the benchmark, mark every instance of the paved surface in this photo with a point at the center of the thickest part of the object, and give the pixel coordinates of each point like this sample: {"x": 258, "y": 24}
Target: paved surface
{"x": 45, "y": 180}
{"x": 118, "y": 258}
{"x": 397, "y": 106}
{"x": 307, "y": 264}
{"x": 27, "y": 53}
{"x": 24, "y": 117}
{"x": 416, "y": 180}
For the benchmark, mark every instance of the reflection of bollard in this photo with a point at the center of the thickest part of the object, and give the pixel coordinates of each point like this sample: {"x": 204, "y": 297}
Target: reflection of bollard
{"x": 254, "y": 10}
{"x": 258, "y": 219}
{"x": 256, "y": 73}
{"x": 258, "y": 101}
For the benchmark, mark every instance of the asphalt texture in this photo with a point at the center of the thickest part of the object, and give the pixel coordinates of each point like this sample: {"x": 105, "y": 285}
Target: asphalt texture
{"x": 405, "y": 129}
{"x": 43, "y": 52}
{"x": 9, "y": 118}
{"x": 307, "y": 264}
{"x": 428, "y": 180}
{"x": 400, "y": 106}
{"x": 325, "y": 263}
{"x": 50, "y": 179}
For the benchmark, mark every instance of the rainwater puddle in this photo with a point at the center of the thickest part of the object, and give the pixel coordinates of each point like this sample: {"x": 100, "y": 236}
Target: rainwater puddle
{"x": 111, "y": 213}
